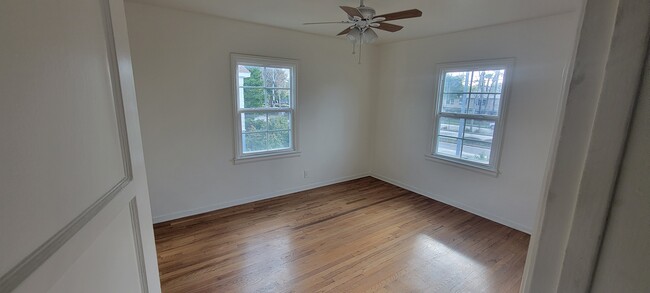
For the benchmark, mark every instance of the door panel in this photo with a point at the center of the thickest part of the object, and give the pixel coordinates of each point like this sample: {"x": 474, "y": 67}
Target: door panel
{"x": 93, "y": 272}
{"x": 61, "y": 146}
{"x": 72, "y": 165}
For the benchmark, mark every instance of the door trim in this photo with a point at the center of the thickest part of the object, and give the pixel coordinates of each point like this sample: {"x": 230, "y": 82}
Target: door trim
{"x": 139, "y": 249}
{"x": 578, "y": 238}
{"x": 16, "y": 275}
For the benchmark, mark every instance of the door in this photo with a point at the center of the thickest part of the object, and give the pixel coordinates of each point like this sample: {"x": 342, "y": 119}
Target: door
{"x": 74, "y": 204}
{"x": 624, "y": 258}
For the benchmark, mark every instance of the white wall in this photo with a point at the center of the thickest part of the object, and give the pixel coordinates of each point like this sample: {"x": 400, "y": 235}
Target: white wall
{"x": 542, "y": 48}
{"x": 354, "y": 119}
{"x": 181, "y": 65}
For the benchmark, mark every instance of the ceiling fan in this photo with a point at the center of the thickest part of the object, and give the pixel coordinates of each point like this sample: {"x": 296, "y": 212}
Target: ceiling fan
{"x": 363, "y": 19}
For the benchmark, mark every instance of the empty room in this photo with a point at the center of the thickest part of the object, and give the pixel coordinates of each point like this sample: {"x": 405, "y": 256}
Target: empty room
{"x": 324, "y": 146}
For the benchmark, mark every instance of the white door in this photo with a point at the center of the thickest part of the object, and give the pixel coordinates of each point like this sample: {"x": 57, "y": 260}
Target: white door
{"x": 74, "y": 204}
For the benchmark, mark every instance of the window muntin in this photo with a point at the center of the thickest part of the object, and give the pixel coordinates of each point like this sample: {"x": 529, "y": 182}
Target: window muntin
{"x": 265, "y": 106}
{"x": 469, "y": 112}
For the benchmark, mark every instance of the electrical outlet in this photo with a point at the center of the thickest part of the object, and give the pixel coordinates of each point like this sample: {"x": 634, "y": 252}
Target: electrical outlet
{"x": 306, "y": 174}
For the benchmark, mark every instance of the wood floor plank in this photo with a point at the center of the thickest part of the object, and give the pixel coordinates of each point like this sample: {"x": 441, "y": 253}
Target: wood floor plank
{"x": 363, "y": 235}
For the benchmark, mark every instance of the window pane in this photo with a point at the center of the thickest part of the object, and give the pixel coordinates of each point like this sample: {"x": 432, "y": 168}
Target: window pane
{"x": 284, "y": 97}
{"x": 252, "y": 98}
{"x": 454, "y": 103}
{"x": 457, "y": 82}
{"x": 487, "y": 81}
{"x": 279, "y": 140}
{"x": 277, "y": 77}
{"x": 254, "y": 142}
{"x": 280, "y": 121}
{"x": 450, "y": 127}
{"x": 278, "y": 98}
{"x": 254, "y": 122}
{"x": 484, "y": 104}
{"x": 480, "y": 130}
{"x": 476, "y": 151}
{"x": 448, "y": 146}
{"x": 250, "y": 75}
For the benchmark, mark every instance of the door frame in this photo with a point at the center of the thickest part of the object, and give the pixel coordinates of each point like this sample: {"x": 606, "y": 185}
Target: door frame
{"x": 580, "y": 237}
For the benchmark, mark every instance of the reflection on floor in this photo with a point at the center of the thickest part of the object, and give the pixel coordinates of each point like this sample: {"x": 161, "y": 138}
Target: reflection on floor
{"x": 363, "y": 235}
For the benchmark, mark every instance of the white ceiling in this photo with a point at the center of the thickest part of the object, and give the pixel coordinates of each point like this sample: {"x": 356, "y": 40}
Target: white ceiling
{"x": 439, "y": 16}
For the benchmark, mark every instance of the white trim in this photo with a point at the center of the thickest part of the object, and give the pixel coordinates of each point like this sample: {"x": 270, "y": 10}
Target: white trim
{"x": 613, "y": 89}
{"x": 139, "y": 248}
{"x": 293, "y": 64}
{"x": 456, "y": 204}
{"x": 266, "y": 156}
{"x": 621, "y": 86}
{"x": 493, "y": 167}
{"x": 254, "y": 198}
{"x": 462, "y": 164}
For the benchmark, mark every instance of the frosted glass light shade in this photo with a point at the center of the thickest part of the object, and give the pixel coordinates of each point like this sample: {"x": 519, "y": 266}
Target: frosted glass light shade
{"x": 369, "y": 36}
{"x": 354, "y": 35}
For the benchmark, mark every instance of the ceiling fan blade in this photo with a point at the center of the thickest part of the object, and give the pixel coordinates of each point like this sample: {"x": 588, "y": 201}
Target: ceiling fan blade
{"x": 389, "y": 27}
{"x": 345, "y": 31}
{"x": 401, "y": 14}
{"x": 352, "y": 12}
{"x": 326, "y": 22}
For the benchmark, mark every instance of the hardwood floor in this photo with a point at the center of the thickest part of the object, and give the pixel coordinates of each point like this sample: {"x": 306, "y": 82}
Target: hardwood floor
{"x": 363, "y": 235}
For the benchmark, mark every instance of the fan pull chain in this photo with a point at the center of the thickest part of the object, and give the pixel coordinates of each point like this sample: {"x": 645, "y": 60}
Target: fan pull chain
{"x": 360, "y": 42}
{"x": 354, "y": 48}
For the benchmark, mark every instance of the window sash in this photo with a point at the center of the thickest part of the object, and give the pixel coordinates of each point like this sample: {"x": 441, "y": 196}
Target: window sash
{"x": 263, "y": 87}
{"x": 292, "y": 133}
{"x": 264, "y": 110}
{"x": 468, "y": 116}
{"x": 462, "y": 139}
{"x": 439, "y": 115}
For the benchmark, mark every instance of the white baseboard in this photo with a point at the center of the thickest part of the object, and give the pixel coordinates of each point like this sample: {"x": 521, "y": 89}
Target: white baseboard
{"x": 187, "y": 213}
{"x": 456, "y": 204}
{"x": 446, "y": 200}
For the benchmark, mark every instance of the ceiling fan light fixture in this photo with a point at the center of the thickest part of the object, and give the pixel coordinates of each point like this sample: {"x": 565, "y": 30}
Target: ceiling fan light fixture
{"x": 354, "y": 35}
{"x": 369, "y": 36}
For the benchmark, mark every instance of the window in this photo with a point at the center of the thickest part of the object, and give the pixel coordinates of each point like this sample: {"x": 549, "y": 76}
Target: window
{"x": 468, "y": 115}
{"x": 265, "y": 107}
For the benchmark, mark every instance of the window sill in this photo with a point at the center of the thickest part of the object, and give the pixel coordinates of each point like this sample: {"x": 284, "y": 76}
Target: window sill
{"x": 463, "y": 165}
{"x": 265, "y": 156}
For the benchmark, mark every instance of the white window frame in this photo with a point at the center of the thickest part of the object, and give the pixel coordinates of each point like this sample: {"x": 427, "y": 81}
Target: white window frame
{"x": 262, "y": 61}
{"x": 493, "y": 167}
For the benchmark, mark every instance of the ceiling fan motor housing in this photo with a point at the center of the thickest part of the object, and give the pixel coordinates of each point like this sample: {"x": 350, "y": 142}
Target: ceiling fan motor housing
{"x": 367, "y": 12}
